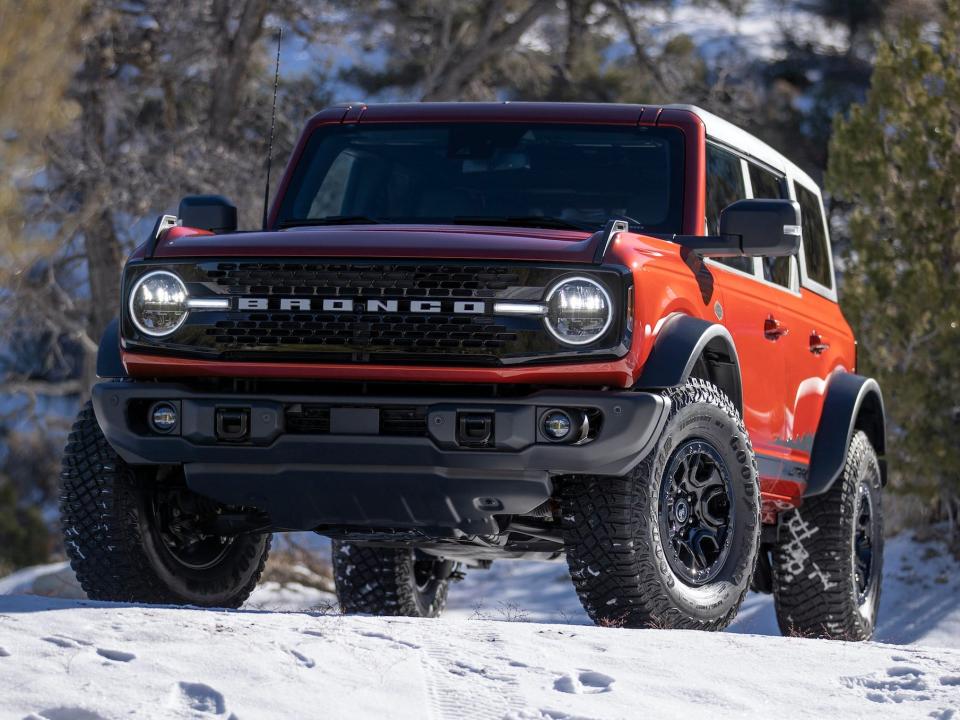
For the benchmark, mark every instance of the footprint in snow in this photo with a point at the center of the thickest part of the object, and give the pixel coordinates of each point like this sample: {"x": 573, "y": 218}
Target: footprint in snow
{"x": 116, "y": 655}
{"x": 383, "y": 636}
{"x": 584, "y": 682}
{"x": 67, "y": 713}
{"x": 899, "y": 683}
{"x": 4, "y": 653}
{"x": 303, "y": 659}
{"x": 202, "y": 698}
{"x": 64, "y": 641}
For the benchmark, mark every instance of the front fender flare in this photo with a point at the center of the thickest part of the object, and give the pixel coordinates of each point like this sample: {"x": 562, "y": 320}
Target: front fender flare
{"x": 852, "y": 403}
{"x": 109, "y": 364}
{"x": 681, "y": 342}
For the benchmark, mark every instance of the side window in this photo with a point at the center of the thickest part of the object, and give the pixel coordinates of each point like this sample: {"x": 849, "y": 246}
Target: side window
{"x": 767, "y": 185}
{"x": 816, "y": 252}
{"x": 724, "y": 186}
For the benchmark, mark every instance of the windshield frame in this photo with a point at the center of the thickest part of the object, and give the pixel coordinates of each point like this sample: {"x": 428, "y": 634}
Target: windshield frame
{"x": 674, "y": 221}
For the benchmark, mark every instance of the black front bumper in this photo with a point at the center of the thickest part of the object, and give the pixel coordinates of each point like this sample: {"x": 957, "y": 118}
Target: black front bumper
{"x": 352, "y": 476}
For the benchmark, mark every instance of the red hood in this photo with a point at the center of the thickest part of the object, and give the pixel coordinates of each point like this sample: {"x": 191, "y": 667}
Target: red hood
{"x": 388, "y": 241}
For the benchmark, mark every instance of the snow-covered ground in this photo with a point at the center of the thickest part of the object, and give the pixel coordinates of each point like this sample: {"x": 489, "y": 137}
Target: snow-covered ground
{"x": 512, "y": 645}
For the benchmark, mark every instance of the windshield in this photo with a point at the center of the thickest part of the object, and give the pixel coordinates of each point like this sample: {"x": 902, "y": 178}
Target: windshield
{"x": 520, "y": 174}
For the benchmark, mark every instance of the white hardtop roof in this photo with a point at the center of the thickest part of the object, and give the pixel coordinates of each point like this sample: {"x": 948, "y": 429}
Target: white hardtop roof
{"x": 729, "y": 134}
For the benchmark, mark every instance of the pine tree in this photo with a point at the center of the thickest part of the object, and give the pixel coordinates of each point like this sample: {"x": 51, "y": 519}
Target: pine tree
{"x": 895, "y": 160}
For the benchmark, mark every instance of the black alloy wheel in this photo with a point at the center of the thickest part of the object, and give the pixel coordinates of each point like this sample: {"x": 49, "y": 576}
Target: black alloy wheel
{"x": 864, "y": 540}
{"x": 181, "y": 522}
{"x": 696, "y": 512}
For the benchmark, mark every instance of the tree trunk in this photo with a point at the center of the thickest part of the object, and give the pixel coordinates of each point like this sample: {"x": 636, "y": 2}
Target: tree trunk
{"x": 488, "y": 44}
{"x": 102, "y": 246}
{"x": 566, "y": 72}
{"x": 234, "y": 61}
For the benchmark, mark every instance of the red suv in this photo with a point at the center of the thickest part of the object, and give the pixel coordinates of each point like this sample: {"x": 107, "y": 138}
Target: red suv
{"x": 470, "y": 332}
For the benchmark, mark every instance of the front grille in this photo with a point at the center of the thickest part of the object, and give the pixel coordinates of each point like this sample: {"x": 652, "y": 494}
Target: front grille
{"x": 371, "y": 312}
{"x": 412, "y": 332}
{"x": 408, "y": 420}
{"x": 363, "y": 280}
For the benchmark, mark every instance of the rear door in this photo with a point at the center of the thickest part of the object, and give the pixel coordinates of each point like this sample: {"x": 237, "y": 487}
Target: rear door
{"x": 787, "y": 461}
{"x": 749, "y": 313}
{"x": 818, "y": 333}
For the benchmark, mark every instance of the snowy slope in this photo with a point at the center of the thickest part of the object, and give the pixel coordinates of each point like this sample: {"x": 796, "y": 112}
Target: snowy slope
{"x": 87, "y": 661}
{"x": 512, "y": 645}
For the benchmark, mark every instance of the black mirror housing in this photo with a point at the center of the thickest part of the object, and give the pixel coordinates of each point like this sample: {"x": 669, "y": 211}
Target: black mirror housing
{"x": 765, "y": 228}
{"x": 208, "y": 212}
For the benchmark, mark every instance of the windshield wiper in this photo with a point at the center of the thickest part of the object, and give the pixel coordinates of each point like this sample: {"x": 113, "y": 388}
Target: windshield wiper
{"x": 541, "y": 221}
{"x": 330, "y": 220}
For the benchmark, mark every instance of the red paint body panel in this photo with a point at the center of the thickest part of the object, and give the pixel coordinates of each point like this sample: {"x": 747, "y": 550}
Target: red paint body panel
{"x": 390, "y": 241}
{"x": 618, "y": 374}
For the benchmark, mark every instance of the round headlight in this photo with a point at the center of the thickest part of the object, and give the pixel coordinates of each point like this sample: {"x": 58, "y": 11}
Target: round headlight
{"x": 578, "y": 311}
{"x": 158, "y": 303}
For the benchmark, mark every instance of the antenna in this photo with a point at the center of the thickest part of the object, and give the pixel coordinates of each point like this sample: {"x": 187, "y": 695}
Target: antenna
{"x": 273, "y": 122}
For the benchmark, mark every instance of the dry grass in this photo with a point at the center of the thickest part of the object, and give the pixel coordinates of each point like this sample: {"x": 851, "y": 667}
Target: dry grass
{"x": 291, "y": 563}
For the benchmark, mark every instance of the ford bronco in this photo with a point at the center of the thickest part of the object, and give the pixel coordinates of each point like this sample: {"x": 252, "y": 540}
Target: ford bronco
{"x": 469, "y": 332}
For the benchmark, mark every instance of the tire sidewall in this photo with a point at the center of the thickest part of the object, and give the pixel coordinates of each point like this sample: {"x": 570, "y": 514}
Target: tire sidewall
{"x": 710, "y": 424}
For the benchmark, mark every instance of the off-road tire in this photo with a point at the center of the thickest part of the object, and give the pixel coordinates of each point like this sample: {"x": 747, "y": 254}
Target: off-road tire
{"x": 612, "y": 533}
{"x": 814, "y": 584}
{"x": 112, "y": 547}
{"x": 382, "y": 581}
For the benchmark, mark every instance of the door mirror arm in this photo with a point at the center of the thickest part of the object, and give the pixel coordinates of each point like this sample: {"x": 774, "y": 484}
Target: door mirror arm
{"x": 751, "y": 228}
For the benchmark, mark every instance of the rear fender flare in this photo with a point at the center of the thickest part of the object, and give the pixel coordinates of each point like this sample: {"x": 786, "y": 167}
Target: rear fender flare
{"x": 852, "y": 403}
{"x": 680, "y": 344}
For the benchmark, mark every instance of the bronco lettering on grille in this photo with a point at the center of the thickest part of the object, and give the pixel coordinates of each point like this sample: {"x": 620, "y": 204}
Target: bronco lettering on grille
{"x": 460, "y": 307}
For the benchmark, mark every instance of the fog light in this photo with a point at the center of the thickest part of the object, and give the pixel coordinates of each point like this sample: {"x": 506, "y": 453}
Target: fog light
{"x": 163, "y": 417}
{"x": 557, "y": 425}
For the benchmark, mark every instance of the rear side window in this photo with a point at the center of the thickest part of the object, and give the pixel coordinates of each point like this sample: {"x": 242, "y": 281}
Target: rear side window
{"x": 724, "y": 186}
{"x": 816, "y": 252}
{"x": 769, "y": 186}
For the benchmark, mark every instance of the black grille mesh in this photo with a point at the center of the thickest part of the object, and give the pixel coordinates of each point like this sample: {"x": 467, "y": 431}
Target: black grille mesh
{"x": 435, "y": 332}
{"x": 400, "y": 280}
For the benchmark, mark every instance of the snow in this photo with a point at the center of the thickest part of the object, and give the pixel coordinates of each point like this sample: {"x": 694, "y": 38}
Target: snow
{"x": 758, "y": 32}
{"x": 919, "y": 603}
{"x": 514, "y": 644}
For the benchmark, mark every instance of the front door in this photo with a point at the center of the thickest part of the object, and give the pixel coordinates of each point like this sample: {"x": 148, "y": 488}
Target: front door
{"x": 750, "y": 314}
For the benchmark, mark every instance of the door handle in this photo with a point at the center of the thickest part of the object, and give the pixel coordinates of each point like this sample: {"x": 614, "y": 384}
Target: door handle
{"x": 772, "y": 329}
{"x": 817, "y": 345}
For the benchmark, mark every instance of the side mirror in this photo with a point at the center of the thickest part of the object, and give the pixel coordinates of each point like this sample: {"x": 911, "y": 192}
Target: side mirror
{"x": 208, "y": 212}
{"x": 768, "y": 228}
{"x": 748, "y": 228}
